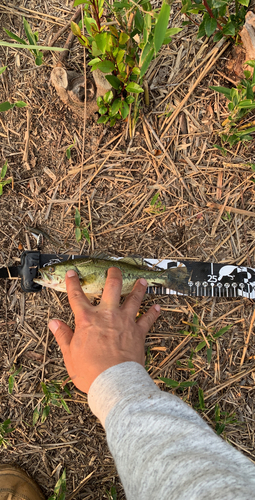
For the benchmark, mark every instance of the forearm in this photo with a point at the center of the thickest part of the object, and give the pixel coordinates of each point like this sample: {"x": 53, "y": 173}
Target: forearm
{"x": 162, "y": 448}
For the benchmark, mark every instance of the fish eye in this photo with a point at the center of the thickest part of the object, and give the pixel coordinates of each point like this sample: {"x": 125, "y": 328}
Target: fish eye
{"x": 51, "y": 269}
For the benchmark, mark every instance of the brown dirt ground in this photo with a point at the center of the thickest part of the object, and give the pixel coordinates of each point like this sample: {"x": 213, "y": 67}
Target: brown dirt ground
{"x": 119, "y": 179}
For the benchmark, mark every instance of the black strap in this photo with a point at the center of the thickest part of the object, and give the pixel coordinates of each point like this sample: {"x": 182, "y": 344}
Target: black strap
{"x": 10, "y": 272}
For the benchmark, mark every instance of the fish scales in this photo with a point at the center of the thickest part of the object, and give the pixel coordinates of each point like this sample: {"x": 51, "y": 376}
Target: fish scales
{"x": 92, "y": 273}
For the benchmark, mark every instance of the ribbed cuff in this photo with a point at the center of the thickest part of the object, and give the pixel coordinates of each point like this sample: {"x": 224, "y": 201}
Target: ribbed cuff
{"x": 118, "y": 383}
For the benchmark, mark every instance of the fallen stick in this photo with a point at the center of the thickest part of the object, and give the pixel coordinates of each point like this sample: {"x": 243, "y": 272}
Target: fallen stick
{"x": 248, "y": 337}
{"x": 61, "y": 31}
{"x": 27, "y": 135}
{"x": 231, "y": 209}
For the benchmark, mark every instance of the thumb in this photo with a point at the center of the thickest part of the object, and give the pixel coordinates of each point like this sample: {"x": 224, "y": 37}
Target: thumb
{"x": 62, "y": 333}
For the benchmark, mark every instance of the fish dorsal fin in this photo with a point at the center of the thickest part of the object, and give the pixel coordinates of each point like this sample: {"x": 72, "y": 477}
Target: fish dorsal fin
{"x": 134, "y": 261}
{"x": 99, "y": 254}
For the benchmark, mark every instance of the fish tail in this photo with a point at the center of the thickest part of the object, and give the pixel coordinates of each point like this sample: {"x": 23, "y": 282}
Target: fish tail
{"x": 176, "y": 278}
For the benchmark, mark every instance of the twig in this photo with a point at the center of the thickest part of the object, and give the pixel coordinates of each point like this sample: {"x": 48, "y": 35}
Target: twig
{"x": 231, "y": 209}
{"x": 248, "y": 337}
{"x": 84, "y": 114}
{"x": 67, "y": 46}
{"x": 50, "y": 205}
{"x": 74, "y": 493}
{"x": 61, "y": 31}
{"x": 27, "y": 136}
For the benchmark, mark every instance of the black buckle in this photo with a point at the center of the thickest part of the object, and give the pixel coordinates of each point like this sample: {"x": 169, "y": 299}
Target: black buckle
{"x": 28, "y": 270}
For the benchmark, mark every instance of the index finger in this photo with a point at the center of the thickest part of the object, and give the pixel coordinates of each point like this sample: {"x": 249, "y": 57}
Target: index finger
{"x": 112, "y": 290}
{"x": 77, "y": 298}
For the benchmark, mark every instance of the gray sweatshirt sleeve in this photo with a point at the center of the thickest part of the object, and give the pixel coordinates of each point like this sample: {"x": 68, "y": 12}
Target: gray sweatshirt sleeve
{"x": 162, "y": 448}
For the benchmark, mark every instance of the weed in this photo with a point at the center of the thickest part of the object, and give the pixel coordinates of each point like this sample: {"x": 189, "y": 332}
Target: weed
{"x": 5, "y": 429}
{"x": 156, "y": 206}
{"x": 223, "y": 418}
{"x": 216, "y": 17}
{"x": 242, "y": 102}
{"x": 60, "y": 488}
{"x": 214, "y": 337}
{"x": 80, "y": 232}
{"x": 11, "y": 379}
{"x": 68, "y": 150}
{"x": 52, "y": 396}
{"x": 123, "y": 51}
{"x": 112, "y": 494}
{"x": 177, "y": 385}
{"x": 3, "y": 181}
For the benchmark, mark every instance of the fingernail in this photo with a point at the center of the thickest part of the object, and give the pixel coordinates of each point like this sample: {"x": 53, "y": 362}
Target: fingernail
{"x": 53, "y": 325}
{"x": 143, "y": 282}
{"x": 70, "y": 273}
{"x": 157, "y": 307}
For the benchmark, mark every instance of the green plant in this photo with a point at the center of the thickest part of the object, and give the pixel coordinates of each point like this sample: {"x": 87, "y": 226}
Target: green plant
{"x": 52, "y": 396}
{"x": 242, "y": 101}
{"x": 80, "y": 232}
{"x": 177, "y": 385}
{"x": 60, "y": 488}
{"x": 125, "y": 49}
{"x": 112, "y": 494}
{"x": 11, "y": 379}
{"x": 217, "y": 17}
{"x": 156, "y": 206}
{"x": 4, "y": 182}
{"x": 68, "y": 150}
{"x": 211, "y": 339}
{"x": 223, "y": 418}
{"x": 5, "y": 429}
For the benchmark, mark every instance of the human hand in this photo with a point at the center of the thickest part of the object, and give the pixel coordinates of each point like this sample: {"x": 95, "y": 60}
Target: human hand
{"x": 105, "y": 335}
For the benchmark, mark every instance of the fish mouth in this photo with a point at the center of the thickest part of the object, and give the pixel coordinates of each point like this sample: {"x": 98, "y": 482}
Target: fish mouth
{"x": 46, "y": 279}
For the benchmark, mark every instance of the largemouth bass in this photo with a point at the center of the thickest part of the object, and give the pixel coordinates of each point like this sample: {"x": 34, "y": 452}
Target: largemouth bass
{"x": 92, "y": 273}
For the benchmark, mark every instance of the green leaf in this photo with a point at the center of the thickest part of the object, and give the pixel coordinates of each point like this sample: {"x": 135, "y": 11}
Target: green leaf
{"x": 78, "y": 2}
{"x": 20, "y": 104}
{"x": 103, "y": 119}
{"x": 39, "y": 59}
{"x": 201, "y": 399}
{"x": 10, "y": 384}
{"x": 4, "y": 170}
{"x": 104, "y": 41}
{"x": 161, "y": 26}
{"x": 173, "y": 31}
{"x": 5, "y": 106}
{"x": 229, "y": 29}
{"x": 68, "y": 153}
{"x": 222, "y": 90}
{"x": 77, "y": 218}
{"x": 40, "y": 47}
{"x": 94, "y": 61}
{"x": 247, "y": 74}
{"x": 64, "y": 404}
{"x": 244, "y": 2}
{"x": 115, "y": 106}
{"x": 120, "y": 56}
{"x": 100, "y": 101}
{"x": 124, "y": 110}
{"x": 136, "y": 71}
{"x": 78, "y": 234}
{"x": 169, "y": 382}
{"x": 45, "y": 413}
{"x": 2, "y": 69}
{"x": 75, "y": 29}
{"x": 154, "y": 199}
{"x": 106, "y": 66}
{"x": 147, "y": 62}
{"x": 1, "y": 189}
{"x": 246, "y": 104}
{"x": 36, "y": 415}
{"x": 114, "y": 81}
{"x": 130, "y": 99}
{"x": 210, "y": 26}
{"x": 30, "y": 36}
{"x": 189, "y": 383}
{"x": 201, "y": 30}
{"x": 85, "y": 233}
{"x": 218, "y": 36}
{"x": 89, "y": 22}
{"x": 102, "y": 110}
{"x": 139, "y": 23}
{"x": 15, "y": 37}
{"x": 251, "y": 63}
{"x": 124, "y": 37}
{"x": 222, "y": 331}
{"x": 200, "y": 346}
{"x": 134, "y": 87}
{"x": 108, "y": 97}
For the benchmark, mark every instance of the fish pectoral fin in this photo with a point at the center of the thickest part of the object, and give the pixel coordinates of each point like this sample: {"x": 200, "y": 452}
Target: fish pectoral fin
{"x": 90, "y": 278}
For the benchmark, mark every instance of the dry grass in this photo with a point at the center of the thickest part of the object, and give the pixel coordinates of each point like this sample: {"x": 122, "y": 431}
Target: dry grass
{"x": 119, "y": 179}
